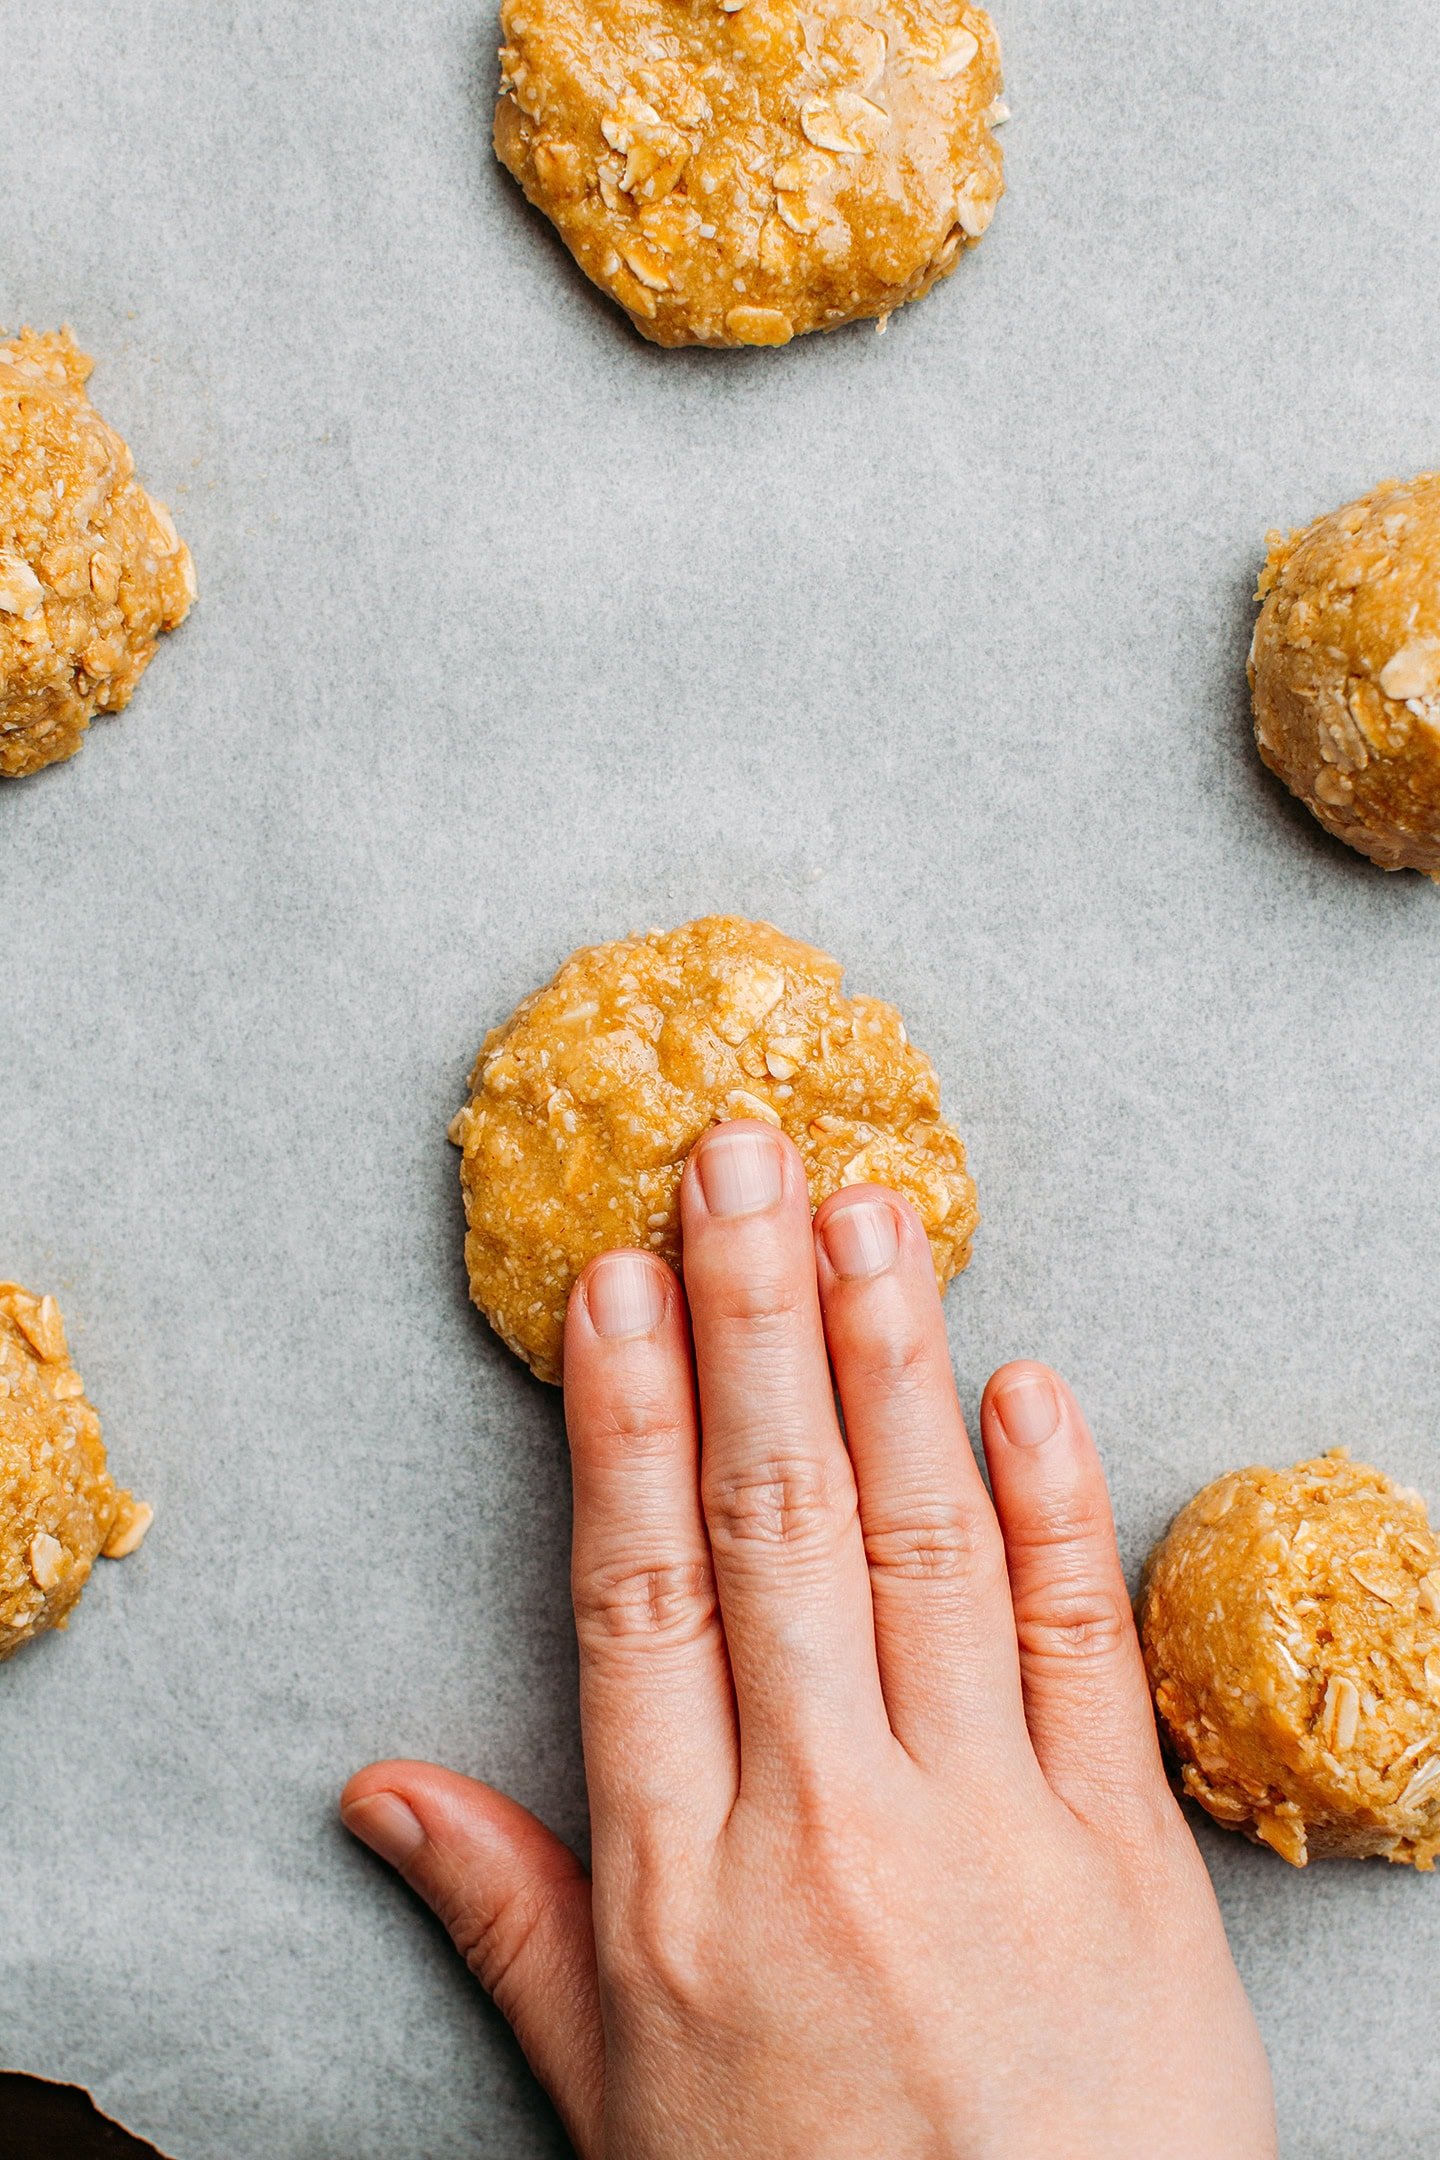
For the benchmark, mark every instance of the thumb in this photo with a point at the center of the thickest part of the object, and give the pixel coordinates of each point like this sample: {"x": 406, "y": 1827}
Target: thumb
{"x": 517, "y": 1904}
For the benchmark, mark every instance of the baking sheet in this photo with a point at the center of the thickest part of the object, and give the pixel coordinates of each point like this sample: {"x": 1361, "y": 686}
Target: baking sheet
{"x": 515, "y": 633}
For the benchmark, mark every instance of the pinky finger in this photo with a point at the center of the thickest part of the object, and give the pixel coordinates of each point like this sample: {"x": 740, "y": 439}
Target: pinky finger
{"x": 1086, "y": 1701}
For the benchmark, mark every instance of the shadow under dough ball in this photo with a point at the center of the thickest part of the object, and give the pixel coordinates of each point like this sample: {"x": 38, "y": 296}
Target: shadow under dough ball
{"x": 736, "y": 172}
{"x": 1345, "y": 671}
{"x": 1291, "y": 1627}
{"x": 585, "y": 1104}
{"x": 92, "y": 570}
{"x": 59, "y": 1505}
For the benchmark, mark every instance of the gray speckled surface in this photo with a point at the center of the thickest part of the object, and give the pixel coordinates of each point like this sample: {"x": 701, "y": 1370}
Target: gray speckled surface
{"x": 514, "y": 633}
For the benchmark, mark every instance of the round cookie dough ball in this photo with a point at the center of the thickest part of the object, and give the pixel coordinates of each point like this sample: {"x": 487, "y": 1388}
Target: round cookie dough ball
{"x": 585, "y": 1104}
{"x": 1345, "y": 671}
{"x": 1291, "y": 1626}
{"x": 59, "y": 1505}
{"x": 91, "y": 569}
{"x": 735, "y": 172}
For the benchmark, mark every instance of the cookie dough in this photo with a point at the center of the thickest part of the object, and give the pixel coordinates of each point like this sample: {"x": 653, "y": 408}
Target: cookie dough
{"x": 585, "y": 1104}
{"x": 1291, "y": 1625}
{"x": 735, "y": 172}
{"x": 59, "y": 1505}
{"x": 1345, "y": 671}
{"x": 91, "y": 569}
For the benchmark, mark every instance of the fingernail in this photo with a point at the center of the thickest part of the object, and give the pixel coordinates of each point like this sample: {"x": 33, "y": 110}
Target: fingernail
{"x": 383, "y": 1822}
{"x": 861, "y": 1238}
{"x": 624, "y": 1294}
{"x": 740, "y": 1171}
{"x": 1028, "y": 1408}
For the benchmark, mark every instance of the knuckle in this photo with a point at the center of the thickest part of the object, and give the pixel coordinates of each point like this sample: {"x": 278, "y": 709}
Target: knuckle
{"x": 656, "y": 1958}
{"x": 784, "y": 1502}
{"x": 940, "y": 1541}
{"x": 847, "y": 1872}
{"x": 1073, "y": 1522}
{"x": 1149, "y": 1823}
{"x": 636, "y": 1423}
{"x": 1077, "y": 1623}
{"x": 764, "y": 1302}
{"x": 671, "y": 1601}
{"x": 1147, "y": 1843}
{"x": 899, "y": 1361}
{"x": 494, "y": 1941}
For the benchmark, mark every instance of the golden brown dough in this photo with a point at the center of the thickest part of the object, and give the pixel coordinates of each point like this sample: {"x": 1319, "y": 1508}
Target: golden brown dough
{"x": 59, "y": 1505}
{"x": 1345, "y": 671}
{"x": 585, "y": 1104}
{"x": 1291, "y": 1626}
{"x": 91, "y": 569}
{"x": 735, "y": 172}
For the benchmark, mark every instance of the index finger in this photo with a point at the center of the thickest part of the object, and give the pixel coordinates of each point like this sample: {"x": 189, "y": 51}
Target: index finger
{"x": 655, "y": 1702}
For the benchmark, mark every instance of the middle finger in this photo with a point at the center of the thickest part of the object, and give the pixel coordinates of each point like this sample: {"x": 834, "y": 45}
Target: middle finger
{"x": 776, "y": 1482}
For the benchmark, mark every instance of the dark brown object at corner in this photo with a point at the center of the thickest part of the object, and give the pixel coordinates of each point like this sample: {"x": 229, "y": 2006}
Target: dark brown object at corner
{"x": 40, "y": 2121}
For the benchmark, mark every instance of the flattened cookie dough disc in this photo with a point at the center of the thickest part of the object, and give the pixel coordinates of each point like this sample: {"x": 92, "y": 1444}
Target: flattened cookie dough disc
{"x": 92, "y": 570}
{"x": 735, "y": 172}
{"x": 59, "y": 1505}
{"x": 1291, "y": 1627}
{"x": 1345, "y": 671}
{"x": 585, "y": 1104}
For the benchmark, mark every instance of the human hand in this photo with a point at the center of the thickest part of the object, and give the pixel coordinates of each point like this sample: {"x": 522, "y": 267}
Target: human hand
{"x": 884, "y": 1859}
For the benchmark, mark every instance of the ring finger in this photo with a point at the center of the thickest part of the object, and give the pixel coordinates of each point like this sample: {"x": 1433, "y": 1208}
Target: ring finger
{"x": 943, "y": 1628}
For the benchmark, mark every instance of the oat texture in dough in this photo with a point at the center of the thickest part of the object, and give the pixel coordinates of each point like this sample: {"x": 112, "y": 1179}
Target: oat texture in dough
{"x": 735, "y": 172}
{"x": 59, "y": 1505}
{"x": 585, "y": 1104}
{"x": 1345, "y": 671}
{"x": 92, "y": 569}
{"x": 1291, "y": 1625}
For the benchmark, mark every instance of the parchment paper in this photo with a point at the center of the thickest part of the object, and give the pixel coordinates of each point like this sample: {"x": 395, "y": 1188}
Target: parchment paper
{"x": 516, "y": 633}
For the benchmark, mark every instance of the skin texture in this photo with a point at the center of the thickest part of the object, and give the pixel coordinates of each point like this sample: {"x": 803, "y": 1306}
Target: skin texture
{"x": 884, "y": 1859}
